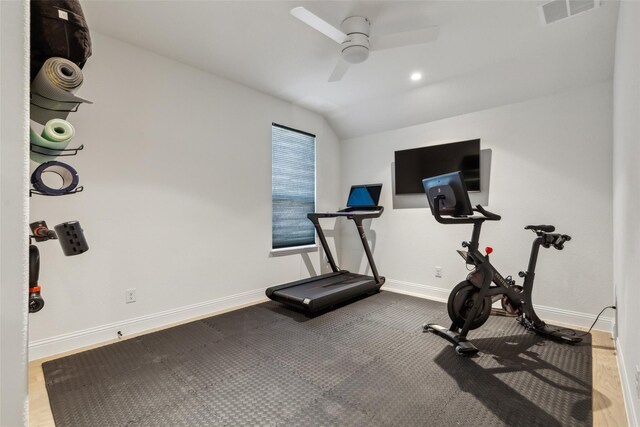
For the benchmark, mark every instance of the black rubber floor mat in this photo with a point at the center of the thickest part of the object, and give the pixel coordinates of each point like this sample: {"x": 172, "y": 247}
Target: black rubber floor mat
{"x": 364, "y": 364}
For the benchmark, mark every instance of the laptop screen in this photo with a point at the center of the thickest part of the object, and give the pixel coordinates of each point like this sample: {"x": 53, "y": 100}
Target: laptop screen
{"x": 364, "y": 195}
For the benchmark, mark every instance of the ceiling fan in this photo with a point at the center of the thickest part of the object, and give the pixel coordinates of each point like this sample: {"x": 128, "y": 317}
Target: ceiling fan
{"x": 355, "y": 41}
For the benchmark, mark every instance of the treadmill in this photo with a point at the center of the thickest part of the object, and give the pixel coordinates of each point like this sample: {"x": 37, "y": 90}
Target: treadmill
{"x": 321, "y": 292}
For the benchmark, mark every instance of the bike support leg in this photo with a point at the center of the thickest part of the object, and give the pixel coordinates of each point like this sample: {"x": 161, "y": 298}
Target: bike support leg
{"x": 459, "y": 338}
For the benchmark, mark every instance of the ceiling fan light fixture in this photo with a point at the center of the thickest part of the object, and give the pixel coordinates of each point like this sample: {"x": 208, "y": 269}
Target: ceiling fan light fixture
{"x": 355, "y": 49}
{"x": 355, "y": 54}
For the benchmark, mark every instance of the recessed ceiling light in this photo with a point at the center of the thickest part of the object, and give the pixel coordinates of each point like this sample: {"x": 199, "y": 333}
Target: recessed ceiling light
{"x": 416, "y": 76}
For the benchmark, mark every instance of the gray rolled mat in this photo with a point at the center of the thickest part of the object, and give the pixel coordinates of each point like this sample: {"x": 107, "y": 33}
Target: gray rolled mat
{"x": 53, "y": 90}
{"x": 365, "y": 364}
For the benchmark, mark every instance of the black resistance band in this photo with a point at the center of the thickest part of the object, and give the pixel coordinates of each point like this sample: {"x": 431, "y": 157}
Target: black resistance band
{"x": 67, "y": 173}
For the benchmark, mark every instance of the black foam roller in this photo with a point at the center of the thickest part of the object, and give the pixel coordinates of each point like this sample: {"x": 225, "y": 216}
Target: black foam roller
{"x": 34, "y": 266}
{"x": 71, "y": 237}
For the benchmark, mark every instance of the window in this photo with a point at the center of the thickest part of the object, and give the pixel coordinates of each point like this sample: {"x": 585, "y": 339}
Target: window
{"x": 293, "y": 187}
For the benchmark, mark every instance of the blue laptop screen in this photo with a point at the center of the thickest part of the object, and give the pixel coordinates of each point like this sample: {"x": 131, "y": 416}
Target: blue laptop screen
{"x": 364, "y": 195}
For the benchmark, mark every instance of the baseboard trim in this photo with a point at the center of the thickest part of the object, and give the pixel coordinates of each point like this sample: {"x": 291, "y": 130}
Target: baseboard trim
{"x": 627, "y": 389}
{"x": 106, "y": 333}
{"x": 417, "y": 290}
{"x": 558, "y": 316}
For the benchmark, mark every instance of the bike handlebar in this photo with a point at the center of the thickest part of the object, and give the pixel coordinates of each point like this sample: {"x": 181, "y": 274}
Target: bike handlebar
{"x": 489, "y": 215}
{"x": 546, "y": 239}
{"x": 486, "y": 215}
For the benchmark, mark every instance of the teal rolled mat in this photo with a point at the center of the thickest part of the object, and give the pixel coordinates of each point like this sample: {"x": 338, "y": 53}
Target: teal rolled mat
{"x": 56, "y": 135}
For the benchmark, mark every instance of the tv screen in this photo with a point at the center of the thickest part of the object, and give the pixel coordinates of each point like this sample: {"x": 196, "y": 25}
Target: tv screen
{"x": 416, "y": 164}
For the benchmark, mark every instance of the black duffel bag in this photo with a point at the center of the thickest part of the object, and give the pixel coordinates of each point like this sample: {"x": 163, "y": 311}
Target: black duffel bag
{"x": 58, "y": 28}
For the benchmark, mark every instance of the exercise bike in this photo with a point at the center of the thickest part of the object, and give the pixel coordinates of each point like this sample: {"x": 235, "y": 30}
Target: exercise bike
{"x": 470, "y": 302}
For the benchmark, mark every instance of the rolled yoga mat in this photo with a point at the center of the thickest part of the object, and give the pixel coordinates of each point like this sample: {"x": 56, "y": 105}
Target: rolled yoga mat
{"x": 56, "y": 135}
{"x": 52, "y": 90}
{"x": 68, "y": 174}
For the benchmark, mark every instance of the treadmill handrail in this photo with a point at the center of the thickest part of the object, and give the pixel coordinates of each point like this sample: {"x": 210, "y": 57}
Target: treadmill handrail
{"x": 357, "y": 217}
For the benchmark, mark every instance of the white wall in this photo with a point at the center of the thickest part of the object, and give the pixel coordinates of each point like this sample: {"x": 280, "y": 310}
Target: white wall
{"x": 13, "y": 217}
{"x": 626, "y": 187}
{"x": 177, "y": 199}
{"x": 551, "y": 163}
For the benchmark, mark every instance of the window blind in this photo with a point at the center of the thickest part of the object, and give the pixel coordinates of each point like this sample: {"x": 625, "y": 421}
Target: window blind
{"x": 293, "y": 187}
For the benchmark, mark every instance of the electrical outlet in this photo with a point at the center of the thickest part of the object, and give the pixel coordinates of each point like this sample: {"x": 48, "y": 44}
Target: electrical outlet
{"x": 438, "y": 271}
{"x": 638, "y": 380}
{"x": 130, "y": 295}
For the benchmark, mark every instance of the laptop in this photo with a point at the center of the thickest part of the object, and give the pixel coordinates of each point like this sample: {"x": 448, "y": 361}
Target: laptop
{"x": 364, "y": 196}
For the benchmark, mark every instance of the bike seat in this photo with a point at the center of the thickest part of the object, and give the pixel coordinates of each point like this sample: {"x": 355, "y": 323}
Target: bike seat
{"x": 543, "y": 228}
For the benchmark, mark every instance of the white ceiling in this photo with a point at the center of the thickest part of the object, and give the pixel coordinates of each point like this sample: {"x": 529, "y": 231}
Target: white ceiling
{"x": 488, "y": 53}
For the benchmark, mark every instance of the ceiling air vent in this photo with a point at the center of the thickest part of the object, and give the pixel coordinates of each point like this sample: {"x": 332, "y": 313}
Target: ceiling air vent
{"x": 558, "y": 10}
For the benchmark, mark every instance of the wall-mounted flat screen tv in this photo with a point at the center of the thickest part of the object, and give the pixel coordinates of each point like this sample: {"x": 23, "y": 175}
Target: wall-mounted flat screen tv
{"x": 416, "y": 164}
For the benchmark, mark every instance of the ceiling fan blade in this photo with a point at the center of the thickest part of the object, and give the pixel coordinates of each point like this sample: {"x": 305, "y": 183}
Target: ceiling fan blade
{"x": 406, "y": 38}
{"x": 319, "y": 24}
{"x": 341, "y": 68}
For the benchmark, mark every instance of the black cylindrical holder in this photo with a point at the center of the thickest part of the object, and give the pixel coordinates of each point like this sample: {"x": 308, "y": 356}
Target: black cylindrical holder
{"x": 71, "y": 237}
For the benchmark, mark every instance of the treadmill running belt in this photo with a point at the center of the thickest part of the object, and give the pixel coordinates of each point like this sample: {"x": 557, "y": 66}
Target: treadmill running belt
{"x": 324, "y": 287}
{"x": 321, "y": 292}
